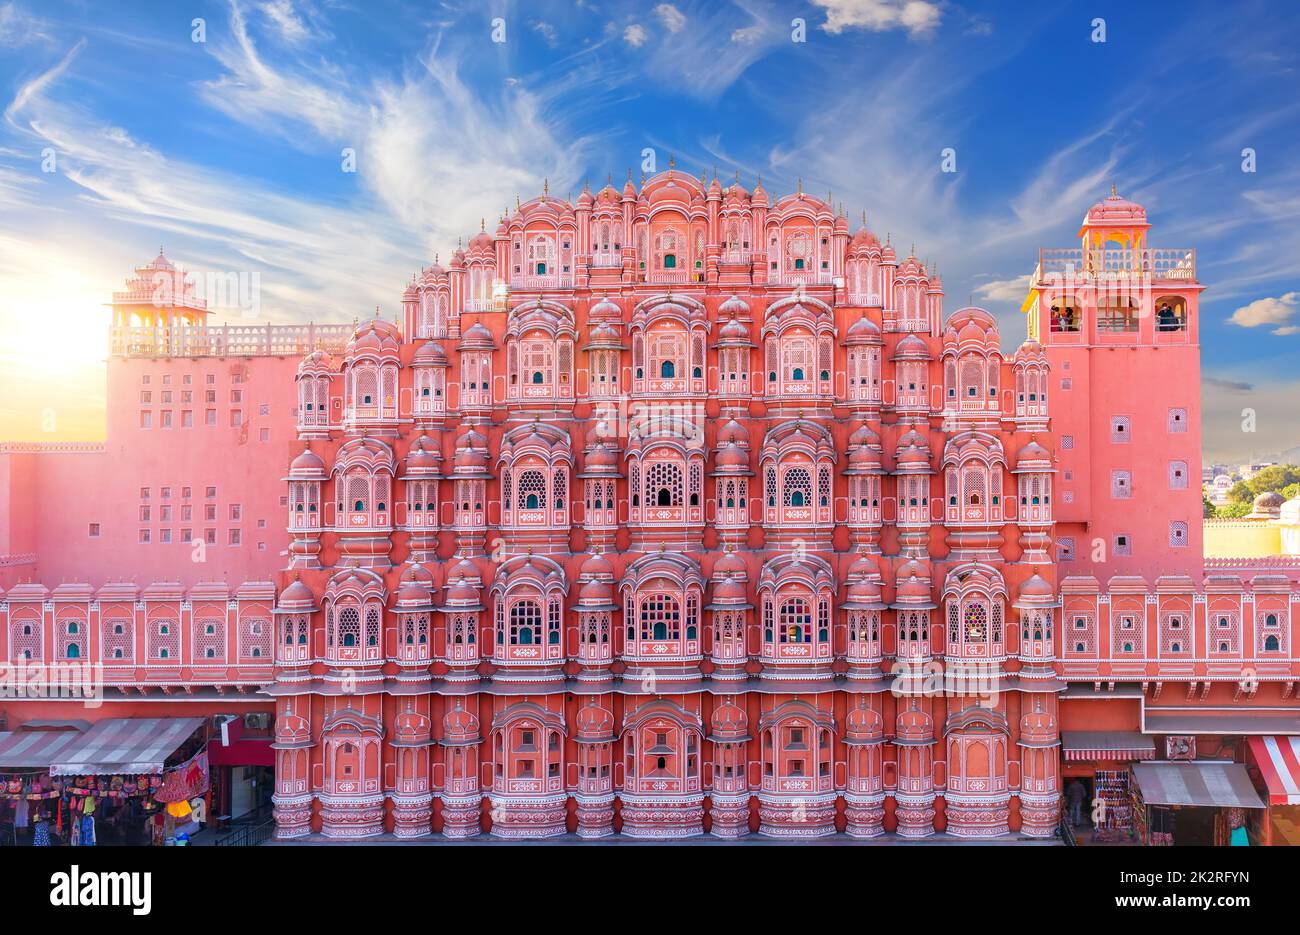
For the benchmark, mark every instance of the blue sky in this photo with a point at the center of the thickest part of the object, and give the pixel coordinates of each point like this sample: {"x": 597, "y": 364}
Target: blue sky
{"x": 229, "y": 150}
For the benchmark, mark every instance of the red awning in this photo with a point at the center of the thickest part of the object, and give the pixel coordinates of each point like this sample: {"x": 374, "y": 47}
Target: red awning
{"x": 125, "y": 745}
{"x": 1117, "y": 745}
{"x": 34, "y": 749}
{"x": 1278, "y": 759}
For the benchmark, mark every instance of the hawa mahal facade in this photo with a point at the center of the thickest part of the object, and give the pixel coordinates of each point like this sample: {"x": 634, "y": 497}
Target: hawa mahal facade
{"x": 672, "y": 510}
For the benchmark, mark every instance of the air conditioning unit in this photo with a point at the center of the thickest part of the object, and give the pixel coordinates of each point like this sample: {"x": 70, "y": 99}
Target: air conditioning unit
{"x": 1180, "y": 747}
{"x": 219, "y": 719}
{"x": 258, "y": 721}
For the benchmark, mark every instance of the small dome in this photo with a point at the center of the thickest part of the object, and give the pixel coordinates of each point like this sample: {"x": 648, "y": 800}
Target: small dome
{"x": 297, "y": 596}
{"x": 911, "y": 348}
{"x": 600, "y": 456}
{"x": 864, "y": 725}
{"x": 732, "y": 456}
{"x": 729, "y": 591}
{"x": 1035, "y": 586}
{"x": 734, "y": 330}
{"x": 729, "y": 721}
{"x": 593, "y": 724}
{"x": 423, "y": 456}
{"x": 471, "y": 451}
{"x": 734, "y": 306}
{"x": 605, "y": 308}
{"x": 414, "y": 594}
{"x": 307, "y": 463}
{"x": 730, "y": 564}
{"x": 914, "y": 725}
{"x": 864, "y": 591}
{"x": 476, "y": 336}
{"x": 459, "y": 726}
{"x": 1033, "y": 454}
{"x": 864, "y": 329}
{"x": 735, "y": 432}
{"x": 430, "y": 354}
{"x": 914, "y": 589}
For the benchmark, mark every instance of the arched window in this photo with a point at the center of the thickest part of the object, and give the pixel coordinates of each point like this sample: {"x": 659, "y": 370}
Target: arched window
{"x": 525, "y": 623}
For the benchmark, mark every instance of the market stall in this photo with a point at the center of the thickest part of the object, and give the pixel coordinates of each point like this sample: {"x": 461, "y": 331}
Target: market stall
{"x": 126, "y": 781}
{"x": 1099, "y": 760}
{"x": 1195, "y": 802}
{"x": 1275, "y": 761}
{"x": 28, "y": 795}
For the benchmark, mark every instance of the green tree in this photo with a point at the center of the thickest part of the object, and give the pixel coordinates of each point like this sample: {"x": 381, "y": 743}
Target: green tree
{"x": 1232, "y": 510}
{"x": 1291, "y": 491}
{"x": 1275, "y": 478}
{"x": 1241, "y": 493}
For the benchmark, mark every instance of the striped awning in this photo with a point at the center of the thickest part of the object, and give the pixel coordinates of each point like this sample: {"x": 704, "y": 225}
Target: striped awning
{"x": 1214, "y": 785}
{"x": 125, "y": 745}
{"x": 1278, "y": 759}
{"x": 33, "y": 749}
{"x": 1117, "y": 745}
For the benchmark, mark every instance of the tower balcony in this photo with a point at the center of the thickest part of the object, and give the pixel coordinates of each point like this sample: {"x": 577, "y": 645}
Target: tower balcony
{"x": 227, "y": 340}
{"x": 1177, "y": 264}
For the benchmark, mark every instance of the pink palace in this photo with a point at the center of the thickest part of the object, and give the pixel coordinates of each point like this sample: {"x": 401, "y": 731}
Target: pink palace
{"x": 672, "y": 510}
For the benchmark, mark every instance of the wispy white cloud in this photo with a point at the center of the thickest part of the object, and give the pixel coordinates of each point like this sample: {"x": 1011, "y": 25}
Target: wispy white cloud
{"x": 673, "y": 19}
{"x": 635, "y": 35}
{"x": 916, "y": 17}
{"x": 18, "y": 27}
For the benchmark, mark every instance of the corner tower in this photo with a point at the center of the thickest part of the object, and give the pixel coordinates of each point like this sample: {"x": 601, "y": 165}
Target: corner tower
{"x": 1117, "y": 319}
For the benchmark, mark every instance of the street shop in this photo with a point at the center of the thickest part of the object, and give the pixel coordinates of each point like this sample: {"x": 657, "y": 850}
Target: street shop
{"x": 1101, "y": 809}
{"x": 1194, "y": 803}
{"x": 118, "y": 781}
{"x": 1273, "y": 761}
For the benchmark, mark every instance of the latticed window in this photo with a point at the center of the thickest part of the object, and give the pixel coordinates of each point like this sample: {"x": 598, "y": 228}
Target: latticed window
{"x": 667, "y": 355}
{"x": 796, "y": 621}
{"x": 1121, "y": 429}
{"x": 1225, "y": 632}
{"x": 25, "y": 639}
{"x": 349, "y": 627}
{"x": 209, "y": 640}
{"x": 1081, "y": 636}
{"x": 797, "y": 356}
{"x": 1121, "y": 485}
{"x": 975, "y": 622}
{"x": 118, "y": 640}
{"x": 663, "y": 484}
{"x": 72, "y": 639}
{"x": 255, "y": 638}
{"x": 164, "y": 640}
{"x": 537, "y": 363}
{"x": 373, "y": 624}
{"x": 797, "y": 487}
{"x": 553, "y": 622}
{"x": 1177, "y": 475}
{"x": 824, "y": 486}
{"x": 561, "y": 488}
{"x": 1128, "y": 635}
{"x": 661, "y": 617}
{"x": 525, "y": 623}
{"x": 1271, "y": 631}
{"x": 1175, "y": 633}
{"x": 532, "y": 490}
{"x": 1177, "y": 534}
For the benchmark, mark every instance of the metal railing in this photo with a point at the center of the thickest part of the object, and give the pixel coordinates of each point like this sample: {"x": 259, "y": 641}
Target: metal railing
{"x": 247, "y": 835}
